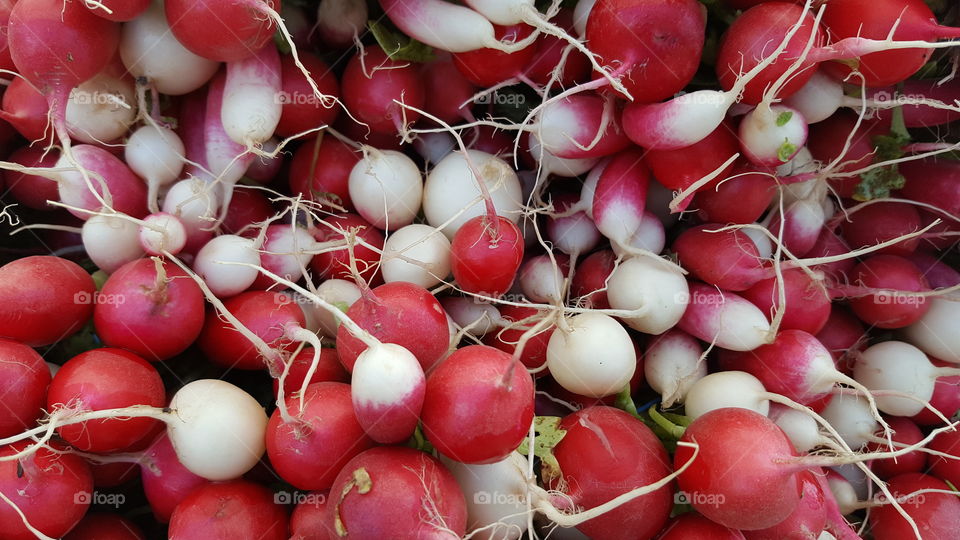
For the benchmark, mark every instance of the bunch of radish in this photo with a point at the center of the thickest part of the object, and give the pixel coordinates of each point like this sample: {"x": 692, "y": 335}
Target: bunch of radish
{"x": 609, "y": 269}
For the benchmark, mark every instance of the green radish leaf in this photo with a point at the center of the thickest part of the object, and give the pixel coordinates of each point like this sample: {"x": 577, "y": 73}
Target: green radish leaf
{"x": 548, "y": 436}
{"x": 398, "y": 46}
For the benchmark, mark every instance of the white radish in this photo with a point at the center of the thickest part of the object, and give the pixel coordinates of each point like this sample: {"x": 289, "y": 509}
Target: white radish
{"x": 726, "y": 389}
{"x": 338, "y": 292}
{"x": 156, "y": 154}
{"x": 801, "y": 428}
{"x": 386, "y": 187}
{"x": 852, "y": 418}
{"x": 550, "y": 164}
{"x": 672, "y": 364}
{"x": 251, "y": 106}
{"x": 111, "y": 241}
{"x": 101, "y": 109}
{"x": 387, "y": 388}
{"x": 657, "y": 292}
{"x": 594, "y": 356}
{"x": 649, "y": 236}
{"x": 287, "y": 250}
{"x": 162, "y": 232}
{"x": 936, "y": 332}
{"x": 416, "y": 253}
{"x": 772, "y": 135}
{"x": 818, "y": 98}
{"x": 212, "y": 263}
{"x": 496, "y": 495}
{"x": 541, "y": 280}
{"x": 478, "y": 318}
{"x": 902, "y": 368}
{"x": 194, "y": 202}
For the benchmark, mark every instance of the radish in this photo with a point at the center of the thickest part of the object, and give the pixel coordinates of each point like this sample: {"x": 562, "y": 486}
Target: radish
{"x": 524, "y": 326}
{"x": 501, "y": 410}
{"x": 222, "y": 32}
{"x": 672, "y": 30}
{"x": 632, "y": 457}
{"x": 251, "y": 110}
{"x": 808, "y": 520}
{"x": 449, "y": 94}
{"x": 166, "y": 481}
{"x": 161, "y": 233}
{"x": 150, "y": 50}
{"x": 680, "y": 169}
{"x": 580, "y": 126}
{"x": 101, "y": 109}
{"x": 105, "y": 379}
{"x": 470, "y": 31}
{"x": 217, "y": 429}
{"x": 489, "y": 67}
{"x": 195, "y": 203}
{"x": 724, "y": 318}
{"x": 657, "y": 294}
{"x": 693, "y": 525}
{"x": 495, "y": 494}
{"x": 339, "y": 292}
{"x": 800, "y": 427}
{"x": 386, "y": 188}
{"x": 932, "y": 332}
{"x": 905, "y": 433}
{"x": 542, "y": 278}
{"x": 31, "y": 190}
{"x": 401, "y": 313}
{"x": 308, "y": 518}
{"x": 340, "y": 21}
{"x": 476, "y": 319}
{"x": 335, "y": 263}
{"x": 214, "y": 263}
{"x": 270, "y": 316}
{"x": 391, "y": 491}
{"x": 936, "y": 185}
{"x": 802, "y": 223}
{"x": 880, "y": 222}
{"x": 43, "y": 299}
{"x": 742, "y": 197}
{"x": 111, "y": 241}
{"x": 725, "y": 258}
{"x": 111, "y": 185}
{"x": 374, "y": 86}
{"x": 248, "y": 207}
{"x": 549, "y": 164}
{"x": 589, "y": 283}
{"x": 226, "y": 159}
{"x": 327, "y": 369}
{"x": 286, "y": 251}
{"x": 25, "y": 389}
{"x": 51, "y": 488}
{"x": 620, "y": 197}
{"x": 115, "y": 10}
{"x": 105, "y": 527}
{"x": 903, "y": 368}
{"x": 929, "y": 503}
{"x": 672, "y": 364}
{"x": 387, "y": 388}
{"x": 726, "y": 389}
{"x": 155, "y": 153}
{"x": 945, "y": 467}
{"x": 572, "y": 360}
{"x": 320, "y": 171}
{"x": 806, "y": 306}
{"x": 763, "y": 492}
{"x": 574, "y": 65}
{"x": 485, "y": 255}
{"x": 852, "y": 418}
{"x": 303, "y": 110}
{"x": 26, "y": 109}
{"x": 772, "y": 135}
{"x": 161, "y": 312}
{"x": 417, "y": 254}
{"x": 889, "y": 280}
{"x": 575, "y": 233}
{"x": 234, "y": 508}
{"x": 452, "y": 195}
{"x": 321, "y": 435}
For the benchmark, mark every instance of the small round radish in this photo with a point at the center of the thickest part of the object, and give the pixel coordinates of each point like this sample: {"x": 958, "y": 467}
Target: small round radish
{"x": 417, "y": 254}
{"x": 213, "y": 264}
{"x": 308, "y": 518}
{"x": 485, "y": 257}
{"x": 649, "y": 236}
{"x": 890, "y": 279}
{"x": 541, "y": 278}
{"x": 335, "y": 263}
{"x": 121, "y": 189}
{"x": 106, "y": 379}
{"x": 372, "y": 84}
{"x": 519, "y": 321}
{"x": 852, "y": 418}
{"x": 388, "y": 388}
{"x": 286, "y": 251}
{"x": 320, "y": 170}
{"x": 901, "y": 367}
{"x": 222, "y": 32}
{"x": 228, "y": 510}
{"x": 727, "y": 259}
{"x": 573, "y": 234}
{"x": 936, "y": 513}
{"x": 807, "y": 305}
{"x": 477, "y": 318}
{"x": 162, "y": 232}
{"x": 672, "y": 364}
{"x": 218, "y": 430}
{"x": 29, "y": 189}
{"x": 26, "y": 379}
{"x": 478, "y": 405}
{"x": 251, "y": 108}
{"x": 101, "y": 109}
{"x": 195, "y": 203}
{"x": 43, "y": 299}
{"x": 800, "y": 427}
{"x": 111, "y": 241}
{"x": 25, "y": 108}
{"x": 726, "y": 389}
{"x": 691, "y": 525}
{"x": 166, "y": 481}
{"x": 772, "y": 135}
{"x": 881, "y": 222}
{"x": 658, "y": 292}
{"x": 496, "y": 496}
{"x": 933, "y": 332}
{"x": 724, "y": 318}
{"x": 594, "y": 356}
{"x": 339, "y": 292}
{"x": 156, "y": 154}
{"x": 905, "y": 432}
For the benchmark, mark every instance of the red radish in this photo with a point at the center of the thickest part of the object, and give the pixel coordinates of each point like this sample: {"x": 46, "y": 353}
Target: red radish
{"x": 657, "y": 294}
{"x": 724, "y": 318}
{"x": 828, "y": 140}
{"x": 214, "y": 264}
{"x": 230, "y": 509}
{"x": 680, "y": 169}
{"x": 829, "y": 244}
{"x": 905, "y": 432}
{"x": 251, "y": 109}
{"x": 802, "y": 223}
{"x": 572, "y": 355}
{"x": 195, "y": 203}
{"x": 307, "y": 522}
{"x": 26, "y": 379}
{"x": 449, "y": 94}
{"x": 391, "y": 491}
{"x": 727, "y": 259}
{"x": 267, "y": 315}
{"x": 335, "y": 263}
{"x": 328, "y": 369}
{"x": 549, "y": 55}
{"x": 936, "y": 513}
{"x": 302, "y": 109}
{"x": 156, "y": 154}
{"x": 943, "y": 467}
{"x": 673, "y": 30}
{"x": 931, "y": 182}
{"x": 26, "y": 110}
{"x": 580, "y": 126}
{"x": 633, "y": 457}
{"x": 880, "y": 222}
{"x": 106, "y": 379}
{"x": 890, "y": 280}
{"x": 121, "y": 190}
{"x": 693, "y": 526}
{"x": 500, "y": 397}
{"x": 105, "y": 527}
{"x": 386, "y": 187}
{"x": 520, "y": 320}
{"x": 754, "y": 35}
{"x": 488, "y": 67}
{"x": 752, "y": 494}
{"x": 119, "y": 10}
{"x": 157, "y": 313}
{"x": 620, "y": 196}
{"x": 807, "y": 304}
{"x": 589, "y": 282}
{"x": 52, "y": 489}
{"x": 387, "y": 389}
{"x": 43, "y": 299}
{"x": 416, "y": 254}
{"x": 166, "y": 481}
{"x": 672, "y": 364}
{"x": 842, "y": 335}
{"x": 945, "y": 398}
{"x": 222, "y": 32}
{"x": 248, "y": 206}
{"x": 323, "y": 435}
{"x": 486, "y": 256}
{"x": 371, "y": 83}
{"x": 400, "y": 313}
{"x": 286, "y": 251}
{"x": 906, "y": 20}
{"x": 807, "y": 521}
{"x": 161, "y": 232}
{"x": 320, "y": 170}
{"x": 5, "y": 61}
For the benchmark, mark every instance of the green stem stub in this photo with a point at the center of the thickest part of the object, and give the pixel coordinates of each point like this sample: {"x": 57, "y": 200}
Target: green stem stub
{"x": 548, "y": 435}
{"x": 398, "y": 46}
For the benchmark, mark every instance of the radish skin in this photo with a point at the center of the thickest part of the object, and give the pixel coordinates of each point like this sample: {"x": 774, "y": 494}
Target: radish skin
{"x": 251, "y": 107}
{"x": 387, "y": 389}
{"x": 572, "y": 360}
{"x": 657, "y": 292}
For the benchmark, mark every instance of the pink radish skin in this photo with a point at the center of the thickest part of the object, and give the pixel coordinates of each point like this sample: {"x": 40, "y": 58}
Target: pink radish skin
{"x": 120, "y": 10}
{"x": 302, "y": 109}
{"x": 881, "y": 222}
{"x": 643, "y": 37}
{"x": 373, "y": 81}
{"x": 678, "y": 123}
{"x": 26, "y": 110}
{"x": 339, "y": 21}
{"x": 925, "y": 115}
{"x": 29, "y": 189}
{"x": 829, "y": 243}
{"x": 807, "y": 305}
{"x": 679, "y": 169}
{"x": 224, "y": 32}
{"x": 388, "y": 389}
{"x": 160, "y": 314}
{"x": 807, "y": 521}
{"x": 448, "y": 92}
{"x": 488, "y": 67}
{"x": 336, "y": 263}
{"x": 251, "y": 110}
{"x": 843, "y": 335}
{"x": 285, "y": 252}
{"x": 124, "y": 192}
{"x": 166, "y": 481}
{"x": 757, "y": 493}
{"x": 935, "y": 513}
{"x": 500, "y": 394}
{"x": 381, "y": 493}
{"x": 226, "y": 159}
{"x": 802, "y": 222}
{"x": 737, "y": 200}
{"x": 727, "y": 259}
{"x": 311, "y": 450}
{"x": 693, "y": 526}
{"x": 633, "y": 457}
{"x": 43, "y": 299}
{"x": 321, "y": 170}
{"x": 229, "y": 509}
{"x": 25, "y": 388}
{"x": 907, "y": 433}
{"x": 620, "y": 196}
{"x": 571, "y": 123}
{"x": 885, "y": 307}
{"x": 328, "y": 369}
{"x": 725, "y": 318}
{"x": 589, "y": 284}
{"x": 933, "y": 182}
{"x": 307, "y": 520}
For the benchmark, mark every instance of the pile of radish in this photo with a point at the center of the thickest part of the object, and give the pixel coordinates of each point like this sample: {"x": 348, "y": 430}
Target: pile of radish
{"x": 500, "y": 269}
